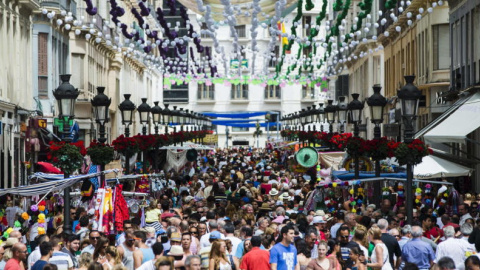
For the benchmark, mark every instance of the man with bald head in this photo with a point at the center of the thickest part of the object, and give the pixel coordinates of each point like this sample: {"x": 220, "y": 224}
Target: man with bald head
{"x": 16, "y": 234}
{"x": 19, "y": 254}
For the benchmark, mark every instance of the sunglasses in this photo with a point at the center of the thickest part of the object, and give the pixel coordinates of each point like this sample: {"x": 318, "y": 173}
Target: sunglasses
{"x": 131, "y": 240}
{"x": 344, "y": 236}
{"x": 95, "y": 238}
{"x": 194, "y": 232}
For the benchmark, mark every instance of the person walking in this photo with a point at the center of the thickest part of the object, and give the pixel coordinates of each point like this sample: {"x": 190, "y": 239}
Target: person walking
{"x": 283, "y": 255}
{"x": 417, "y": 251}
{"x": 322, "y": 262}
{"x": 218, "y": 258}
{"x": 380, "y": 257}
{"x": 256, "y": 258}
{"x": 19, "y": 254}
{"x": 46, "y": 251}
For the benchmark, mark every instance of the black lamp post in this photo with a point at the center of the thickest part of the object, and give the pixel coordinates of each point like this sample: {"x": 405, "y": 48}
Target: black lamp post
{"x": 330, "y": 112}
{"x": 144, "y": 113}
{"x": 355, "y": 107}
{"x": 342, "y": 108}
{"x": 156, "y": 116}
{"x": 410, "y": 96}
{"x": 66, "y": 95}
{"x": 126, "y": 108}
{"x": 321, "y": 115}
{"x": 100, "y": 104}
{"x": 157, "y": 120}
{"x": 377, "y": 103}
{"x": 167, "y": 117}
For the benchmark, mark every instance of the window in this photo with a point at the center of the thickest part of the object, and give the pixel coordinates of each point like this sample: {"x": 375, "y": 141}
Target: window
{"x": 306, "y": 20}
{"x": 240, "y": 91}
{"x": 43, "y": 65}
{"x": 276, "y": 53}
{"x": 206, "y": 92}
{"x": 272, "y": 92}
{"x": 241, "y": 31}
{"x": 441, "y": 46}
{"x": 78, "y": 62}
{"x": 308, "y": 92}
{"x": 240, "y": 129}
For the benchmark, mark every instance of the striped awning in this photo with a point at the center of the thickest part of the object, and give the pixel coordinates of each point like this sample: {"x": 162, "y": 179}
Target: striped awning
{"x": 51, "y": 186}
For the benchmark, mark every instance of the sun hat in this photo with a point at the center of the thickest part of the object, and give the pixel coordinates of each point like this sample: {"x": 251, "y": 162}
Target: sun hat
{"x": 317, "y": 219}
{"x": 176, "y": 237}
{"x": 273, "y": 192}
{"x": 265, "y": 206}
{"x": 320, "y": 213}
{"x": 176, "y": 252}
{"x": 284, "y": 196}
{"x": 188, "y": 199}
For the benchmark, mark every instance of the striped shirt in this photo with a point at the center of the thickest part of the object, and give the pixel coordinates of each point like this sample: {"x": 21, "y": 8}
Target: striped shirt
{"x": 61, "y": 260}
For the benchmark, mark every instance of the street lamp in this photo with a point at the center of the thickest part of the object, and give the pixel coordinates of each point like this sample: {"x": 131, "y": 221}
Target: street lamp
{"x": 377, "y": 103}
{"x": 355, "y": 107}
{"x": 144, "y": 112}
{"x": 156, "y": 115}
{"x": 100, "y": 104}
{"x": 167, "y": 117}
{"x": 330, "y": 112}
{"x": 342, "y": 108}
{"x": 321, "y": 115}
{"x": 410, "y": 96}
{"x": 66, "y": 95}
{"x": 126, "y": 108}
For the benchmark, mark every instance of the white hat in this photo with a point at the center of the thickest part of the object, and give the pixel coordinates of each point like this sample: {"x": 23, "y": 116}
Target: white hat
{"x": 232, "y": 171}
{"x": 91, "y": 212}
{"x": 188, "y": 199}
{"x": 320, "y": 213}
{"x": 273, "y": 192}
{"x": 317, "y": 219}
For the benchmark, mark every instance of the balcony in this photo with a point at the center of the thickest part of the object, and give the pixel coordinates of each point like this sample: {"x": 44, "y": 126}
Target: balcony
{"x": 67, "y": 5}
{"x": 30, "y": 4}
{"x": 99, "y": 21}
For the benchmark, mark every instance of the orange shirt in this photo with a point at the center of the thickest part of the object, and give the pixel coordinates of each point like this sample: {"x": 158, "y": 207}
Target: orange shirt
{"x": 257, "y": 259}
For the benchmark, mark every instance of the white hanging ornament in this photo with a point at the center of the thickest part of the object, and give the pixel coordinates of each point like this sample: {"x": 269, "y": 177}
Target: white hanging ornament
{"x": 400, "y": 9}
{"x": 408, "y": 3}
{"x": 68, "y": 26}
{"x": 374, "y": 37}
{"x": 398, "y": 29}
{"x": 421, "y": 10}
{"x": 409, "y": 14}
{"x": 419, "y": 16}
{"x": 78, "y": 32}
{"x": 44, "y": 11}
{"x": 430, "y": 10}
{"x": 380, "y": 13}
{"x": 59, "y": 22}
{"x": 50, "y": 15}
{"x": 376, "y": 25}
{"x": 386, "y": 33}
{"x": 409, "y": 22}
{"x": 440, "y": 2}
{"x": 88, "y": 36}
{"x": 434, "y": 4}
{"x": 383, "y": 21}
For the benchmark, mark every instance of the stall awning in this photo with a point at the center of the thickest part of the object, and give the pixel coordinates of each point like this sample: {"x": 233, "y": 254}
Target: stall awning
{"x": 435, "y": 167}
{"x": 459, "y": 124}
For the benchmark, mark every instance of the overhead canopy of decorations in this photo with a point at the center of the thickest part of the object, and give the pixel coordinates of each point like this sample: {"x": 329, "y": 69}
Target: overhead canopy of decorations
{"x": 51, "y": 186}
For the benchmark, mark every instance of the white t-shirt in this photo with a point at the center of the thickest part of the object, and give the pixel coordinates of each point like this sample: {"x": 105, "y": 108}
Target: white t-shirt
{"x": 148, "y": 265}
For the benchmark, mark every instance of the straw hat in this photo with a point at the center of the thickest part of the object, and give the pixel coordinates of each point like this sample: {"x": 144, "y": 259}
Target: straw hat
{"x": 265, "y": 206}
{"x": 273, "y": 192}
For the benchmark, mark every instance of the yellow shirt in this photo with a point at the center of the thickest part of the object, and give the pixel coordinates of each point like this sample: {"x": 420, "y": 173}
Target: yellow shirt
{"x": 152, "y": 215}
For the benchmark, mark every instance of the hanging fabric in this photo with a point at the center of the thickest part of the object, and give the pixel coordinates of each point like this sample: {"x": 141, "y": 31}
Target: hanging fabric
{"x": 97, "y": 225}
{"x": 175, "y": 160}
{"x": 107, "y": 208}
{"x": 121, "y": 208}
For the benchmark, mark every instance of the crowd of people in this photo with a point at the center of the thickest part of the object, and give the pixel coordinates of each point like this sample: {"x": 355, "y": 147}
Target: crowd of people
{"x": 243, "y": 209}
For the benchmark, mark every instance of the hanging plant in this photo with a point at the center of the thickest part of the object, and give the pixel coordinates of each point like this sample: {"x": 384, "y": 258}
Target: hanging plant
{"x": 380, "y": 149}
{"x": 67, "y": 156}
{"x": 355, "y": 147}
{"x": 125, "y": 145}
{"x": 411, "y": 153}
{"x": 100, "y": 153}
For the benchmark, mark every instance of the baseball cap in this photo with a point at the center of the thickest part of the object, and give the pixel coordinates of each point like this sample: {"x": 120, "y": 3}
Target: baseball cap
{"x": 215, "y": 235}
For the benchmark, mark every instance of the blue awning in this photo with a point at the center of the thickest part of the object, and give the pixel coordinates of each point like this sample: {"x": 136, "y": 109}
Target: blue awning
{"x": 236, "y": 114}
{"x": 345, "y": 175}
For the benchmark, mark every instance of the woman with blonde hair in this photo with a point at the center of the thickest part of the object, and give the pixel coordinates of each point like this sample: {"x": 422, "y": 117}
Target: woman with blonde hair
{"x": 218, "y": 257}
{"x": 323, "y": 262}
{"x": 379, "y": 258}
{"x": 84, "y": 261}
{"x": 112, "y": 258}
{"x": 360, "y": 237}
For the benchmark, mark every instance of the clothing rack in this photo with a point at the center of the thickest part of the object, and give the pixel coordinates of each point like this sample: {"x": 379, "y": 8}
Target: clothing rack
{"x": 133, "y": 176}
{"x": 125, "y": 193}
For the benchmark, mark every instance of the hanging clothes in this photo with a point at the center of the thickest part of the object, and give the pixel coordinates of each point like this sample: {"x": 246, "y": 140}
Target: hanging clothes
{"x": 121, "y": 208}
{"x": 107, "y": 208}
{"x": 97, "y": 223}
{"x": 175, "y": 160}
{"x": 142, "y": 185}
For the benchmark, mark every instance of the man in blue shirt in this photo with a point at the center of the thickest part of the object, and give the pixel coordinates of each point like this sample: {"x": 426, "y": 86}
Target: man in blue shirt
{"x": 283, "y": 256}
{"x": 417, "y": 251}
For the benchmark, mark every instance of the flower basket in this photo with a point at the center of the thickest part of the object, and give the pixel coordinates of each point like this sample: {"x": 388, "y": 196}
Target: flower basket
{"x": 380, "y": 149}
{"x": 100, "y": 154}
{"x": 67, "y": 156}
{"x": 127, "y": 146}
{"x": 411, "y": 153}
{"x": 355, "y": 147}
{"x": 145, "y": 142}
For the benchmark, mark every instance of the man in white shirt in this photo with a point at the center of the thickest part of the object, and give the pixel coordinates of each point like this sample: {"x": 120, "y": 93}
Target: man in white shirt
{"x": 463, "y": 210}
{"x": 35, "y": 255}
{"x": 229, "y": 230}
{"x": 453, "y": 248}
{"x": 61, "y": 259}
